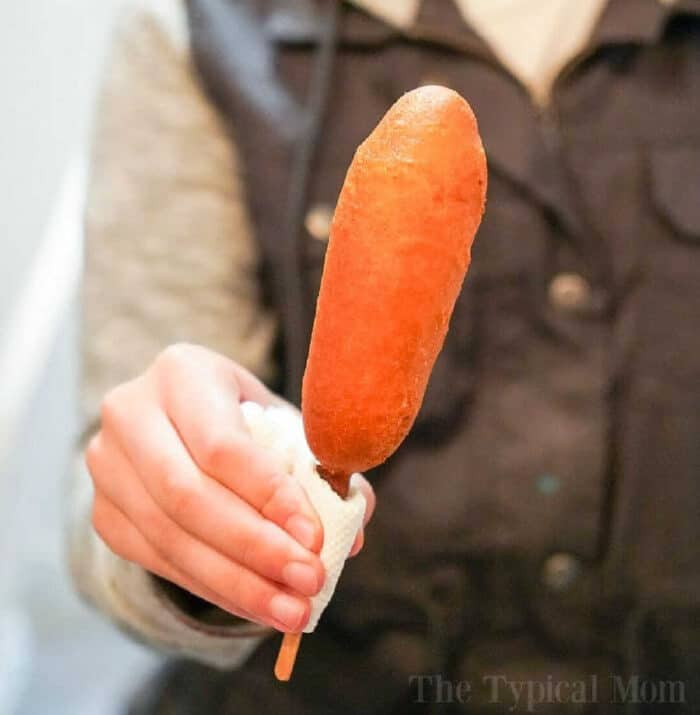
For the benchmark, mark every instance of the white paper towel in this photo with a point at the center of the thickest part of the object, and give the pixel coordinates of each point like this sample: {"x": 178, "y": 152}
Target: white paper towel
{"x": 280, "y": 430}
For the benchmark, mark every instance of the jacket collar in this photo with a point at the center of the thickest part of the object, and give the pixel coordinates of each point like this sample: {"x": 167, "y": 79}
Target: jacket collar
{"x": 622, "y": 21}
{"x": 639, "y": 21}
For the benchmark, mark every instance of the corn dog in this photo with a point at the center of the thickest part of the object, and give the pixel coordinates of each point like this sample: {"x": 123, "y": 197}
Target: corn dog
{"x": 398, "y": 253}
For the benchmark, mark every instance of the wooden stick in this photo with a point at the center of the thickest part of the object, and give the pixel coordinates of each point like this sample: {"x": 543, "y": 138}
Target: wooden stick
{"x": 339, "y": 481}
{"x": 287, "y": 656}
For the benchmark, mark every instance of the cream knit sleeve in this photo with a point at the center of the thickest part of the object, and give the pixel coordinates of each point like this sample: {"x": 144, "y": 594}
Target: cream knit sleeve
{"x": 169, "y": 257}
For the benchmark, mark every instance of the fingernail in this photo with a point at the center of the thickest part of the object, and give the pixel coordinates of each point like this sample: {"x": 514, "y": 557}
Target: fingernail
{"x": 301, "y": 577}
{"x": 302, "y": 529}
{"x": 287, "y": 610}
{"x": 359, "y": 543}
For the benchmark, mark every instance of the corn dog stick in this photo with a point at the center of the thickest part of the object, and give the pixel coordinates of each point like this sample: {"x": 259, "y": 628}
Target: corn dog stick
{"x": 287, "y": 656}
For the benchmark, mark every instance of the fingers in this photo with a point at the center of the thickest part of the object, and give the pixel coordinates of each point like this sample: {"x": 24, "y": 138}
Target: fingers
{"x": 370, "y": 503}
{"x": 182, "y": 490}
{"x": 125, "y": 540}
{"x": 190, "y": 563}
{"x": 207, "y": 416}
{"x": 368, "y": 492}
{"x": 184, "y": 356}
{"x": 208, "y": 511}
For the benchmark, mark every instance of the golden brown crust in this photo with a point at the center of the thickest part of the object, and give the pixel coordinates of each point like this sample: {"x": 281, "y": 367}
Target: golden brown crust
{"x": 399, "y": 250}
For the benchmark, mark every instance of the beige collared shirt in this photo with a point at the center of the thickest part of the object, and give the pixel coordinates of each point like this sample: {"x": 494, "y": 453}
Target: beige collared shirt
{"x": 533, "y": 39}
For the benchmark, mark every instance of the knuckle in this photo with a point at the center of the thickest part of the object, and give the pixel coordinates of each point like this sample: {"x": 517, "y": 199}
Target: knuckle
{"x": 179, "y": 502}
{"x": 98, "y": 467}
{"x": 306, "y": 614}
{"x": 281, "y": 492}
{"x": 92, "y": 456}
{"x": 179, "y": 493}
{"x": 150, "y": 522}
{"x": 111, "y": 406}
{"x": 174, "y": 356}
{"x": 256, "y": 597}
{"x": 320, "y": 571}
{"x": 250, "y": 545}
{"x": 99, "y": 520}
{"x": 102, "y": 523}
{"x": 165, "y": 539}
{"x": 232, "y": 586}
{"x": 162, "y": 535}
{"x": 216, "y": 450}
{"x": 286, "y": 502}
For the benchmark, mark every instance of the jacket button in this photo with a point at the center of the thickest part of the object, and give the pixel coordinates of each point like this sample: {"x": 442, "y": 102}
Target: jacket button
{"x": 318, "y": 221}
{"x": 570, "y": 292}
{"x": 560, "y": 571}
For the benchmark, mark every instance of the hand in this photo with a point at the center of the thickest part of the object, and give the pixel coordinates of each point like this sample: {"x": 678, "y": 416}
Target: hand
{"x": 182, "y": 490}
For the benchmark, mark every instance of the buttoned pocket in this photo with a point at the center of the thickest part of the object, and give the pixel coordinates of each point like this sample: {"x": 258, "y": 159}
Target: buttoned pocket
{"x": 668, "y": 294}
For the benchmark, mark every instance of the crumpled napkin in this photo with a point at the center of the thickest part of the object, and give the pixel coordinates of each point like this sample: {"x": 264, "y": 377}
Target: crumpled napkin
{"x": 280, "y": 430}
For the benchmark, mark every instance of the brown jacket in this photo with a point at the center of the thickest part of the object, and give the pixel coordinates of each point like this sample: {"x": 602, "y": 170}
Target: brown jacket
{"x": 542, "y": 519}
